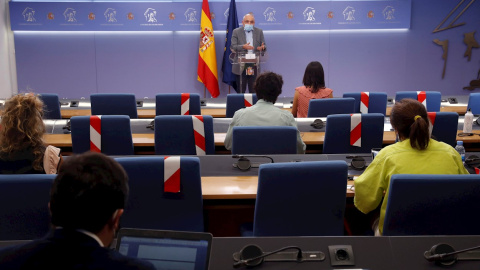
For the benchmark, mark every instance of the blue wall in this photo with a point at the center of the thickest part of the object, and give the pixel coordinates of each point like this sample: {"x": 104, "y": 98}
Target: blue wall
{"x": 76, "y": 64}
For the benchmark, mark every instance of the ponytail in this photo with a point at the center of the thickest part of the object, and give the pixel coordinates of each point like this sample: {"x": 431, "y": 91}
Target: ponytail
{"x": 419, "y": 133}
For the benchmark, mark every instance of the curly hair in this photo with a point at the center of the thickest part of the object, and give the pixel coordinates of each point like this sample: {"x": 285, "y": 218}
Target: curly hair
{"x": 268, "y": 86}
{"x": 22, "y": 127}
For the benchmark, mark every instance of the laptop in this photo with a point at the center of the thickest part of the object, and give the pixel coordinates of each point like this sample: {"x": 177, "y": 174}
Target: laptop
{"x": 166, "y": 249}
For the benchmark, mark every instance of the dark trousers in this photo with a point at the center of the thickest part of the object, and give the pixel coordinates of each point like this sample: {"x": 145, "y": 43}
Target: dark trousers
{"x": 246, "y": 80}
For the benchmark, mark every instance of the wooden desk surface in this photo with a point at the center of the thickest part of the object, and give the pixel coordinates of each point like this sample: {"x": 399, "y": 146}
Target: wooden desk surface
{"x": 237, "y": 187}
{"x": 220, "y": 112}
{"x": 310, "y": 138}
{"x": 146, "y": 113}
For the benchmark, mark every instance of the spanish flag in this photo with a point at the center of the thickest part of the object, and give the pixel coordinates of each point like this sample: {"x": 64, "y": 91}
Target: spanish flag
{"x": 207, "y": 60}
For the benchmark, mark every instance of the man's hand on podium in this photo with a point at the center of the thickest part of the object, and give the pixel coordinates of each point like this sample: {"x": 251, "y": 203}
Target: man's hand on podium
{"x": 248, "y": 46}
{"x": 261, "y": 48}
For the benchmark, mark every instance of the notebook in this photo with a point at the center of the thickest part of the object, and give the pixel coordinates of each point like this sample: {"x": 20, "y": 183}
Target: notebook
{"x": 166, "y": 249}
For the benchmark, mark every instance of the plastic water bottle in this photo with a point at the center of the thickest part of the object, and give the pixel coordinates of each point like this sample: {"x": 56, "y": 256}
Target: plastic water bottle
{"x": 460, "y": 149}
{"x": 468, "y": 122}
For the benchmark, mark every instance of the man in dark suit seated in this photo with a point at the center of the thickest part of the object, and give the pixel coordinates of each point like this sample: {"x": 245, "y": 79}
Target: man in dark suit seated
{"x": 86, "y": 202}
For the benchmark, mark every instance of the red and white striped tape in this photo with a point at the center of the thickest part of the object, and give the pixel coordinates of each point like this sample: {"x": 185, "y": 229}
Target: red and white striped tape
{"x": 199, "y": 134}
{"x": 432, "y": 116}
{"x": 171, "y": 175}
{"x": 364, "y": 100}
{"x": 96, "y": 133}
{"x": 185, "y": 107}
{"x": 356, "y": 129}
{"x": 248, "y": 99}
{"x": 422, "y": 98}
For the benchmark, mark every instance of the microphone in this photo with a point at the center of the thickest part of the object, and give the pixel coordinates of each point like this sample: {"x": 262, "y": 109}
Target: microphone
{"x": 445, "y": 254}
{"x": 244, "y": 163}
{"x": 244, "y": 257}
{"x": 243, "y": 156}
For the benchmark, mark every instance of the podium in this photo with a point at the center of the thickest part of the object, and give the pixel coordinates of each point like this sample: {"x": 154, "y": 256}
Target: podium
{"x": 248, "y": 67}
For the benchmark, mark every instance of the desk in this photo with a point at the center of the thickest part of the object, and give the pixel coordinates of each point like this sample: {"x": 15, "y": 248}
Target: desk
{"x": 396, "y": 253}
{"x": 310, "y": 139}
{"x": 237, "y": 187}
{"x": 221, "y": 112}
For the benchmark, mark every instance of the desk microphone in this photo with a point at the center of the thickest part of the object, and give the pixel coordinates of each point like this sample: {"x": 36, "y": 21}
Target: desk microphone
{"x": 444, "y": 254}
{"x": 244, "y": 163}
{"x": 252, "y": 255}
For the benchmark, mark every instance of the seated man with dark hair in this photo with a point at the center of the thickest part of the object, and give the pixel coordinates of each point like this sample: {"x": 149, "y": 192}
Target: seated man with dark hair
{"x": 268, "y": 87}
{"x": 86, "y": 202}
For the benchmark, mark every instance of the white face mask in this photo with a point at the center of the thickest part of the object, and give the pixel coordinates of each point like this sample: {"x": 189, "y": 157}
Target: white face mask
{"x": 248, "y": 27}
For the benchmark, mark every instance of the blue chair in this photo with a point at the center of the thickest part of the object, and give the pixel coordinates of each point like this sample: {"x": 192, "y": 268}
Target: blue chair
{"x": 433, "y": 205}
{"x": 445, "y": 127}
{"x": 326, "y": 106}
{"x": 474, "y": 103}
{"x": 116, "y": 134}
{"x": 434, "y": 98}
{"x": 24, "y": 214}
{"x": 170, "y": 104}
{"x": 264, "y": 140}
{"x": 114, "y": 104}
{"x": 377, "y": 102}
{"x": 301, "y": 199}
{"x": 174, "y": 135}
{"x": 337, "y": 134}
{"x": 52, "y": 106}
{"x": 149, "y": 207}
{"x": 236, "y": 102}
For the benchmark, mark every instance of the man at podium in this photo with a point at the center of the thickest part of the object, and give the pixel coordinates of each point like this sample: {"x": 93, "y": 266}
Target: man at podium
{"x": 248, "y": 43}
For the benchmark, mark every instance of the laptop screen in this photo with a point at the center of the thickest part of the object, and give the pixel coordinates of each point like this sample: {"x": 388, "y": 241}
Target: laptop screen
{"x": 167, "y": 249}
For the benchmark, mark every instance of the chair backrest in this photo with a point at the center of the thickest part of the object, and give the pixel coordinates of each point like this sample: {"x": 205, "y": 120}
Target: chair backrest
{"x": 326, "y": 106}
{"x": 24, "y": 214}
{"x": 337, "y": 134}
{"x": 174, "y": 135}
{"x": 377, "y": 102}
{"x": 264, "y": 140}
{"x": 301, "y": 199}
{"x": 474, "y": 103}
{"x": 149, "y": 207}
{"x": 236, "y": 102}
{"x": 445, "y": 127}
{"x": 116, "y": 134}
{"x": 433, "y": 205}
{"x": 51, "y": 109}
{"x": 434, "y": 98}
{"x": 170, "y": 104}
{"x": 114, "y": 104}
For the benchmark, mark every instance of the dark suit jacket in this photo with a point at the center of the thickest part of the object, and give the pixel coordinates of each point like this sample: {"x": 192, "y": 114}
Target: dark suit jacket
{"x": 239, "y": 38}
{"x": 66, "y": 249}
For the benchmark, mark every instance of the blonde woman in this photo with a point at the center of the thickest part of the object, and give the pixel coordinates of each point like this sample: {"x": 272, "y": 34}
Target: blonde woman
{"x": 22, "y": 149}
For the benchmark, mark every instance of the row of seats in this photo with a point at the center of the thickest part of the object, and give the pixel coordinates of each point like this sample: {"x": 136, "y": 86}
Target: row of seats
{"x": 174, "y": 135}
{"x": 293, "y": 199}
{"x": 170, "y": 104}
{"x": 125, "y": 104}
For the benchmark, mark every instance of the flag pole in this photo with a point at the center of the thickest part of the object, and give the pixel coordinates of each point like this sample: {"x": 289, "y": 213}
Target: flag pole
{"x": 229, "y": 89}
{"x": 204, "y": 91}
